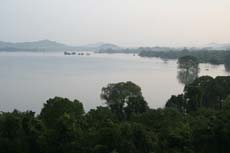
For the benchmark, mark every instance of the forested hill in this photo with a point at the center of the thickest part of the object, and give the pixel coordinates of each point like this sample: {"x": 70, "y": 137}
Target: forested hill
{"x": 42, "y": 45}
{"x": 196, "y": 121}
{"x": 48, "y": 45}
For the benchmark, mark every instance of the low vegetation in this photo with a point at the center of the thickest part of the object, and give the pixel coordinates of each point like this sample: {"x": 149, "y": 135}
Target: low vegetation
{"x": 203, "y": 56}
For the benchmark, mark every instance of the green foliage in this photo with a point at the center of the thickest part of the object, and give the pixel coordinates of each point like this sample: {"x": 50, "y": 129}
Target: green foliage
{"x": 203, "y": 92}
{"x": 96, "y": 117}
{"x": 215, "y": 57}
{"x": 227, "y": 61}
{"x": 118, "y": 95}
{"x": 136, "y": 105}
{"x": 19, "y": 132}
{"x": 188, "y": 69}
{"x": 177, "y": 102}
{"x": 196, "y": 121}
{"x": 57, "y": 107}
{"x": 185, "y": 62}
{"x": 203, "y": 56}
{"x": 173, "y": 131}
{"x": 227, "y": 102}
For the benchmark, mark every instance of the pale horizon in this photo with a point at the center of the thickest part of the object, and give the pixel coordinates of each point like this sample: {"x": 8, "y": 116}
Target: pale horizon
{"x": 128, "y": 23}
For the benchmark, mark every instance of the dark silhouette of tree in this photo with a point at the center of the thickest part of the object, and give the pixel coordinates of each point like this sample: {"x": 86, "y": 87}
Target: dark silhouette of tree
{"x": 188, "y": 69}
{"x": 177, "y": 102}
{"x": 136, "y": 105}
{"x": 196, "y": 121}
{"x": 203, "y": 92}
{"x": 20, "y": 132}
{"x": 58, "y": 107}
{"x": 227, "y": 62}
{"x": 118, "y": 95}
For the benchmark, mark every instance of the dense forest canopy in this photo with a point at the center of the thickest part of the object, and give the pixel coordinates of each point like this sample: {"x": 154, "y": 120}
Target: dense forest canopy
{"x": 196, "y": 121}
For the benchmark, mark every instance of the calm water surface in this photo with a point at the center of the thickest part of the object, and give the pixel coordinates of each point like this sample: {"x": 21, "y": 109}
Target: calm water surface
{"x": 27, "y": 80}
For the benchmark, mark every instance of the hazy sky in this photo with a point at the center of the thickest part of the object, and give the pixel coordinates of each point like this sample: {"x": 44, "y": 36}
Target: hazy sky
{"x": 124, "y": 22}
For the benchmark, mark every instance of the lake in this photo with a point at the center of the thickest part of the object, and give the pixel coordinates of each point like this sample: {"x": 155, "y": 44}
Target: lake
{"x": 27, "y": 79}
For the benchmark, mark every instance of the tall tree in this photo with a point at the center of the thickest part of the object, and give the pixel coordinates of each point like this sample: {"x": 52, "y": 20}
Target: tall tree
{"x": 118, "y": 95}
{"x": 188, "y": 69}
{"x": 227, "y": 62}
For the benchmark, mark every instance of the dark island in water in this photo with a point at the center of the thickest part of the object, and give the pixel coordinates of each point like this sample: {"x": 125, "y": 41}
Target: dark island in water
{"x": 69, "y": 53}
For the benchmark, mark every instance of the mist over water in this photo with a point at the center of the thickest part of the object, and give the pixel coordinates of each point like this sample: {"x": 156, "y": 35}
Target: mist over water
{"x": 27, "y": 79}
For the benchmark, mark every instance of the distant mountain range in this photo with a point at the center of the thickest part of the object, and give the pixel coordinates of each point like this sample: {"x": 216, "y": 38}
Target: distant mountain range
{"x": 47, "y": 45}
{"x": 100, "y": 46}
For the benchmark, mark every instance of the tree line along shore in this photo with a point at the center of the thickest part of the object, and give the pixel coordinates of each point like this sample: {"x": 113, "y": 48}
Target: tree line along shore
{"x": 196, "y": 121}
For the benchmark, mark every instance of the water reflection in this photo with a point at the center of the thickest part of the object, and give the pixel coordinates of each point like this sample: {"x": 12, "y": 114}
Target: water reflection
{"x": 28, "y": 79}
{"x": 227, "y": 62}
{"x": 188, "y": 69}
{"x": 227, "y": 68}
